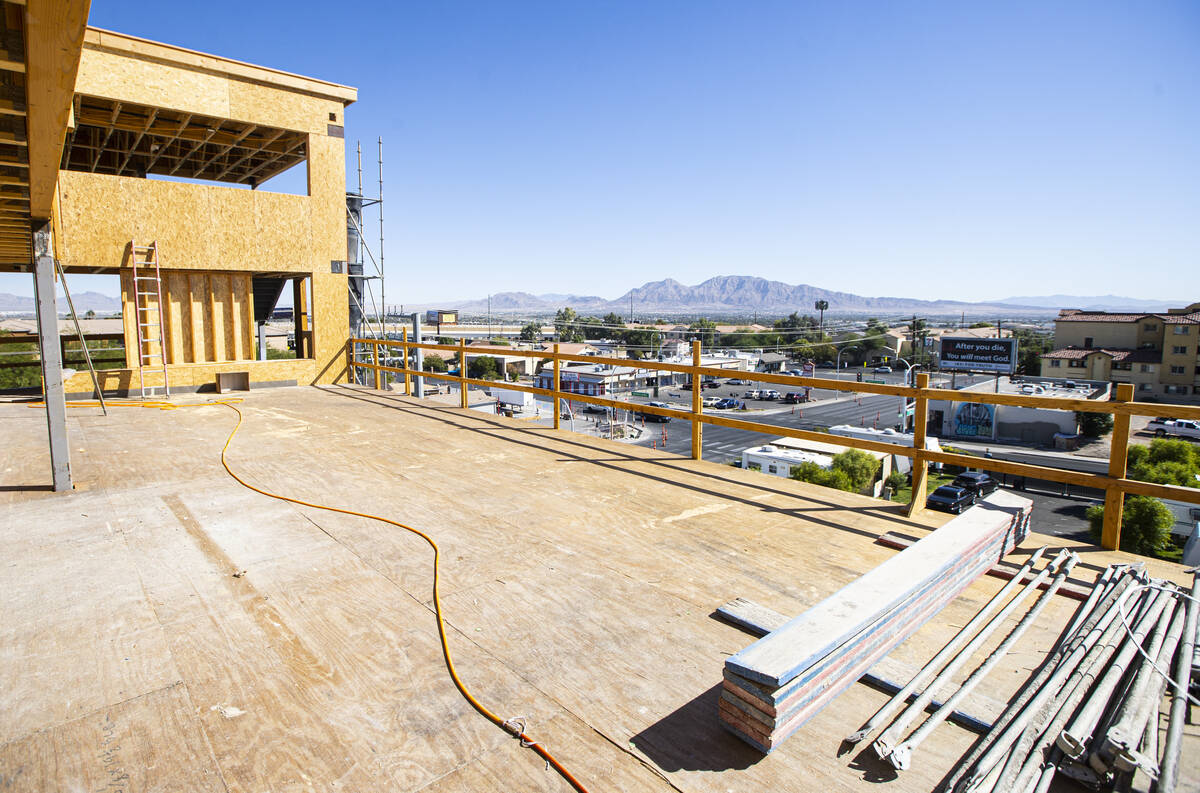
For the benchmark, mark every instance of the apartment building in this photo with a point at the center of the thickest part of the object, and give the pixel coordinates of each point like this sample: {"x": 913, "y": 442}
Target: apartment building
{"x": 1158, "y": 353}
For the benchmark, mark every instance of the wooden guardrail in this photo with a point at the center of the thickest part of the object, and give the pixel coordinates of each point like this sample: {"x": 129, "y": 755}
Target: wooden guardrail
{"x": 1115, "y": 483}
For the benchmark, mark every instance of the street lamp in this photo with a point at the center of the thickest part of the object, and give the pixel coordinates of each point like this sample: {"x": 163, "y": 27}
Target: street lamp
{"x": 908, "y": 380}
{"x": 838, "y": 364}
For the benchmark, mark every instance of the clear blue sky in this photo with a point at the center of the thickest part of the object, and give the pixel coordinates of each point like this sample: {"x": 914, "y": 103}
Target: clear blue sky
{"x": 940, "y": 150}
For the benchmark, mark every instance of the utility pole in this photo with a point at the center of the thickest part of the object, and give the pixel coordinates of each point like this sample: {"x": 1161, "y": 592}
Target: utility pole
{"x": 631, "y": 308}
{"x": 999, "y": 335}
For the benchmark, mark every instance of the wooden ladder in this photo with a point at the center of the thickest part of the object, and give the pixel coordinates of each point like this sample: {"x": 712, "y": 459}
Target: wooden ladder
{"x": 148, "y": 315}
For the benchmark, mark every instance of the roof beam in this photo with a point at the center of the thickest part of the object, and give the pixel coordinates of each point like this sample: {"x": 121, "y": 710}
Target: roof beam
{"x": 133, "y": 146}
{"x": 165, "y": 144}
{"x": 247, "y": 156}
{"x": 53, "y": 43}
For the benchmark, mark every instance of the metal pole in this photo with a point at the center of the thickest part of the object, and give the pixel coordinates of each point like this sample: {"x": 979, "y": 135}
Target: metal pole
{"x": 901, "y": 755}
{"x": 51, "y": 355}
{"x": 1179, "y": 697}
{"x": 923, "y": 674}
{"x": 87, "y": 356}
{"x": 1090, "y": 620}
{"x": 462, "y": 372}
{"x": 407, "y": 366}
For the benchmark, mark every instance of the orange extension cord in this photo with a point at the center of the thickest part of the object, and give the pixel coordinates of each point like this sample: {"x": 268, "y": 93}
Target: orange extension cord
{"x": 510, "y": 726}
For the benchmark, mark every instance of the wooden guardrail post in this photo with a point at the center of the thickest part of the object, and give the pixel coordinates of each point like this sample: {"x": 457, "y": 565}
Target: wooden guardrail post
{"x": 377, "y": 376}
{"x": 920, "y": 465}
{"x": 554, "y": 402}
{"x": 404, "y": 352}
{"x": 462, "y": 372}
{"x": 697, "y": 426}
{"x": 1114, "y": 497}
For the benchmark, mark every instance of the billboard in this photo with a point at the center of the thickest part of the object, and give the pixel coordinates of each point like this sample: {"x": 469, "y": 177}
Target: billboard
{"x": 979, "y": 355}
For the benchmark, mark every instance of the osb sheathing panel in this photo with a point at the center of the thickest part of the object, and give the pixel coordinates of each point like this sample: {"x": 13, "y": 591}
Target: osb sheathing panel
{"x": 190, "y": 376}
{"x": 129, "y": 79}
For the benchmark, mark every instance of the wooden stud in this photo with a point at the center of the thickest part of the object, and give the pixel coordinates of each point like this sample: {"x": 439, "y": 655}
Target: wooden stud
{"x": 462, "y": 372}
{"x": 1114, "y": 497}
{"x": 697, "y": 404}
{"x": 557, "y": 386}
{"x": 920, "y": 465}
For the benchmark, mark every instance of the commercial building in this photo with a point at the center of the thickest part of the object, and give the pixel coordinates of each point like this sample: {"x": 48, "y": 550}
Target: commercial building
{"x": 1158, "y": 353}
{"x": 1029, "y": 425}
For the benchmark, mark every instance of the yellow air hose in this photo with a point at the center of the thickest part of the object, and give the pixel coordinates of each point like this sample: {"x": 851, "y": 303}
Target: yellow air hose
{"x": 513, "y": 727}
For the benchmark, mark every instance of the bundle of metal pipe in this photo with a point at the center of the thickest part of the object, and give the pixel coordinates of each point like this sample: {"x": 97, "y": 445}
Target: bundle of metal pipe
{"x": 1091, "y": 710}
{"x": 779, "y": 682}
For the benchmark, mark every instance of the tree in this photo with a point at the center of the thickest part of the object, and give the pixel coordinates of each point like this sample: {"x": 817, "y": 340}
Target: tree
{"x": 1165, "y": 462}
{"x": 981, "y": 324}
{"x": 1031, "y": 346}
{"x": 852, "y": 471}
{"x": 90, "y": 314}
{"x": 821, "y": 305}
{"x": 1145, "y": 525}
{"x": 531, "y": 332}
{"x": 705, "y": 329}
{"x": 918, "y": 331}
{"x": 484, "y": 367}
{"x": 1094, "y": 425}
{"x": 434, "y": 363}
{"x": 613, "y": 320}
{"x": 566, "y": 325}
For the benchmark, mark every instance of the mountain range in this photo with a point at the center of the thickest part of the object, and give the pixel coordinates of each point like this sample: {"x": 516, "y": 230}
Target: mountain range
{"x": 743, "y": 294}
{"x": 84, "y": 302}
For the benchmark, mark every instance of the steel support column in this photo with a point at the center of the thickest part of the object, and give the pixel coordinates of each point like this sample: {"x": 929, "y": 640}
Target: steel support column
{"x": 51, "y": 355}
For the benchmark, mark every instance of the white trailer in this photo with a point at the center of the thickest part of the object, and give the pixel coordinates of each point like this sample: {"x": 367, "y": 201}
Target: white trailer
{"x": 513, "y": 400}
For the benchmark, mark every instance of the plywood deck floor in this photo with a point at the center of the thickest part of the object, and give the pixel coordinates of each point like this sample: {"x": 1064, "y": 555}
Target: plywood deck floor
{"x": 166, "y": 629}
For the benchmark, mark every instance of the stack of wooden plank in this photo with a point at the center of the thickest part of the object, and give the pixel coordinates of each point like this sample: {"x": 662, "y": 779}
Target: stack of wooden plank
{"x": 776, "y": 684}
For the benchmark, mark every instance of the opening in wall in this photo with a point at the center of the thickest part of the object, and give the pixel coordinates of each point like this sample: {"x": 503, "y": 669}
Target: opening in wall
{"x": 98, "y": 303}
{"x": 283, "y": 312}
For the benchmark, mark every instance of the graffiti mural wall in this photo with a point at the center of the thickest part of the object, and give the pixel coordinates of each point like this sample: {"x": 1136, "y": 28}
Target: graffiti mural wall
{"x": 973, "y": 420}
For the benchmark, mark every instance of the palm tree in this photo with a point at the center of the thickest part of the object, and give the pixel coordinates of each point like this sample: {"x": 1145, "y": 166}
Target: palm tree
{"x": 821, "y": 305}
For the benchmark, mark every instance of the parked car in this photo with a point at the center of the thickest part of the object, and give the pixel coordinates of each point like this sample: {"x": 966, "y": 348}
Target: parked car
{"x": 770, "y": 393}
{"x": 710, "y": 402}
{"x": 978, "y": 482}
{"x": 736, "y": 381}
{"x": 752, "y": 394}
{"x": 710, "y": 384}
{"x": 794, "y": 398}
{"x": 949, "y": 498}
{"x": 654, "y": 416}
{"x": 883, "y": 370}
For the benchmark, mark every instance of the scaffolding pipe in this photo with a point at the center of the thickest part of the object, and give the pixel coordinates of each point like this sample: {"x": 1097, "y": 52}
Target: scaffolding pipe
{"x": 1179, "y": 696}
{"x": 1140, "y": 704}
{"x": 1032, "y": 698}
{"x": 947, "y": 652}
{"x": 1024, "y": 760}
{"x": 1085, "y": 617}
{"x": 886, "y": 744}
{"x": 901, "y": 756}
{"x": 1074, "y": 739}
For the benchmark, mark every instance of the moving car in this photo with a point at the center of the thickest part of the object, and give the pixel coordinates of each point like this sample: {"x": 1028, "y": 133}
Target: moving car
{"x": 736, "y": 381}
{"x": 978, "y": 482}
{"x": 883, "y": 370}
{"x": 654, "y": 416}
{"x": 710, "y": 384}
{"x": 794, "y": 398}
{"x": 949, "y": 498}
{"x": 826, "y": 365}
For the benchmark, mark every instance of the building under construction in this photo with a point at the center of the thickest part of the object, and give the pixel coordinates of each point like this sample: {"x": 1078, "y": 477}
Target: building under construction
{"x": 242, "y": 593}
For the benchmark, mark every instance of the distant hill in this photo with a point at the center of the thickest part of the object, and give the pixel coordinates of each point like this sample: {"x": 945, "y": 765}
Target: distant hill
{"x": 84, "y": 302}
{"x": 1098, "y": 303}
{"x": 730, "y": 293}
